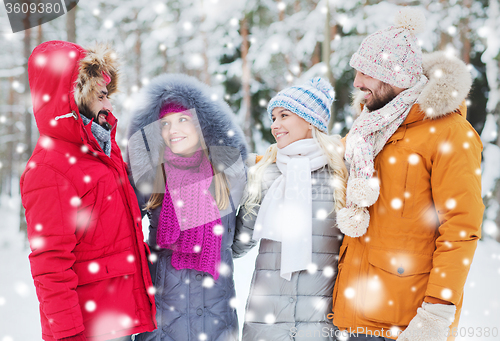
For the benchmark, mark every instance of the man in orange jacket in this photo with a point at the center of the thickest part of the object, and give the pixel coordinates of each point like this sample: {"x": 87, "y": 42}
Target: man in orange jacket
{"x": 414, "y": 207}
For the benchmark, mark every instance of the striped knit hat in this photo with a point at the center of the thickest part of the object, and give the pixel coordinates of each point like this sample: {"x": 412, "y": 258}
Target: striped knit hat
{"x": 311, "y": 101}
{"x": 393, "y": 55}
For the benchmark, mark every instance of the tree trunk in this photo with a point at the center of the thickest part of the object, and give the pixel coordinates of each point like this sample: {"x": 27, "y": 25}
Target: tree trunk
{"x": 206, "y": 73}
{"x": 71, "y": 24}
{"x": 27, "y": 118}
{"x": 465, "y": 34}
{"x": 138, "y": 56}
{"x": 10, "y": 144}
{"x": 326, "y": 58}
{"x": 245, "y": 80}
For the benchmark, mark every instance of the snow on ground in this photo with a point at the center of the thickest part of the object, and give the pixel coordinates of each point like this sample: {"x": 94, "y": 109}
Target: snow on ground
{"x": 19, "y": 317}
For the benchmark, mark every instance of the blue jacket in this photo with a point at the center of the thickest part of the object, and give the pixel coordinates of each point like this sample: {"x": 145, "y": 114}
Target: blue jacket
{"x": 189, "y": 303}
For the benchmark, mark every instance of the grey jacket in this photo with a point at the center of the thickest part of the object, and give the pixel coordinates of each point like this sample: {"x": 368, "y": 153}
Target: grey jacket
{"x": 190, "y": 305}
{"x": 278, "y": 309}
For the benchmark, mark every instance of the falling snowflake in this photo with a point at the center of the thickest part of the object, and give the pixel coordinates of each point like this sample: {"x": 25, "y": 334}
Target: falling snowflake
{"x": 93, "y": 267}
{"x": 432, "y": 129}
{"x": 75, "y": 201}
{"x": 312, "y": 268}
{"x": 446, "y": 294}
{"x": 7, "y": 338}
{"x": 86, "y": 179}
{"x": 445, "y": 147}
{"x": 328, "y": 271}
{"x": 130, "y": 258}
{"x": 234, "y": 303}
{"x": 466, "y": 145}
{"x": 392, "y": 160}
{"x": 179, "y": 203}
{"x": 413, "y": 159}
{"x": 208, "y": 282}
{"x": 197, "y": 248}
{"x": 46, "y": 98}
{"x": 230, "y": 133}
{"x": 349, "y": 293}
{"x": 37, "y": 242}
{"x": 218, "y": 230}
{"x": 321, "y": 214}
{"x": 46, "y": 142}
{"x": 451, "y": 204}
{"x": 38, "y": 227}
{"x": 72, "y": 160}
{"x": 202, "y": 337}
{"x": 395, "y": 331}
{"x": 224, "y": 269}
{"x": 466, "y": 261}
{"x": 270, "y": 319}
{"x": 84, "y": 149}
{"x": 2, "y": 301}
{"x": 396, "y": 203}
{"x": 153, "y": 257}
{"x": 90, "y": 306}
{"x": 244, "y": 237}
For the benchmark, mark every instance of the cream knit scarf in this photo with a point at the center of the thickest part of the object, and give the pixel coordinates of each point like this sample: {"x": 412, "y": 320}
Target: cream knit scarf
{"x": 285, "y": 214}
{"x": 367, "y": 137}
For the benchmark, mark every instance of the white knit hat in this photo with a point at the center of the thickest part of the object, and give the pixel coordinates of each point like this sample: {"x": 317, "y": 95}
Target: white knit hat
{"x": 393, "y": 55}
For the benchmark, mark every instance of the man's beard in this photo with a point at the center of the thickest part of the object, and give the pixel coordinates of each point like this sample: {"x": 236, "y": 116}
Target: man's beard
{"x": 384, "y": 95}
{"x": 85, "y": 111}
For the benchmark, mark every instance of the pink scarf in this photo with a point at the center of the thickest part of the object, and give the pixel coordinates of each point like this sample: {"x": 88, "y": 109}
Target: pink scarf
{"x": 189, "y": 214}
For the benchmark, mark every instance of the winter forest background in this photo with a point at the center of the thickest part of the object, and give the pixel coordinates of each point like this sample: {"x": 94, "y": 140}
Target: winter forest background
{"x": 247, "y": 51}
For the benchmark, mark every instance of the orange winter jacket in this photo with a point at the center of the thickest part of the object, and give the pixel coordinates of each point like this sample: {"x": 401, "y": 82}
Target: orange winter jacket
{"x": 426, "y": 222}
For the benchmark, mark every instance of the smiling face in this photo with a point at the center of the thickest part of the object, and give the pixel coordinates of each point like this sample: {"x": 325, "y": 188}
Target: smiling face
{"x": 288, "y": 127}
{"x": 377, "y": 93}
{"x": 99, "y": 108}
{"x": 180, "y": 134}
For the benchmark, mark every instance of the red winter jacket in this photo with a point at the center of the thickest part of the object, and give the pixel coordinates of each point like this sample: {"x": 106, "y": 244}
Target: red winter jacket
{"x": 88, "y": 257}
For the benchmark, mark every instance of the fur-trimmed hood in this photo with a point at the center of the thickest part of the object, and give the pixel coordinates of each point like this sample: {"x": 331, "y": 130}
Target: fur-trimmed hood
{"x": 98, "y": 59}
{"x": 222, "y": 136}
{"x": 449, "y": 84}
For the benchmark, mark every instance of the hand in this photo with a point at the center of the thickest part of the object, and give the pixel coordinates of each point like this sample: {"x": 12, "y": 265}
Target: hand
{"x": 430, "y": 324}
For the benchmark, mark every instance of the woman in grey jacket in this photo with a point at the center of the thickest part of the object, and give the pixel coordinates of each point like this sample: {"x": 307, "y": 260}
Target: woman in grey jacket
{"x": 186, "y": 160}
{"x": 290, "y": 203}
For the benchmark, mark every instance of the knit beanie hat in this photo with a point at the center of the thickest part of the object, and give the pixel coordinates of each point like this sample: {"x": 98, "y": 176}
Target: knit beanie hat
{"x": 311, "y": 101}
{"x": 170, "y": 108}
{"x": 393, "y": 55}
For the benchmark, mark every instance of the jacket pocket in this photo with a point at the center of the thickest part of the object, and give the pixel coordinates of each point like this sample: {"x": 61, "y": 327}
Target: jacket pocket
{"x": 88, "y": 214}
{"x": 116, "y": 265}
{"x": 395, "y": 286}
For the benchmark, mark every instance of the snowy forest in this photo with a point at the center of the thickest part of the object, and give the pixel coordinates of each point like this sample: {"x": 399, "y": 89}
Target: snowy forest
{"x": 246, "y": 50}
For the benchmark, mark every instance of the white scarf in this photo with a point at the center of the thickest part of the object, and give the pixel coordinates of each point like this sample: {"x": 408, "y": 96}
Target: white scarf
{"x": 367, "y": 137}
{"x": 286, "y": 212}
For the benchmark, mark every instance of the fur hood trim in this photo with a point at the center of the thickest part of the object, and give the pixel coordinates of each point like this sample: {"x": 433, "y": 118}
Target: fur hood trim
{"x": 449, "y": 84}
{"x": 222, "y": 136}
{"x": 99, "y": 58}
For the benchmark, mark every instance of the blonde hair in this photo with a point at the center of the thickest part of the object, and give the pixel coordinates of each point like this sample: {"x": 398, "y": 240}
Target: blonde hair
{"x": 334, "y": 151}
{"x": 220, "y": 184}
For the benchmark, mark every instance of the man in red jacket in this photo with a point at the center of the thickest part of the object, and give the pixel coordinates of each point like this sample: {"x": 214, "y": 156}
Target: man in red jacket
{"x": 88, "y": 258}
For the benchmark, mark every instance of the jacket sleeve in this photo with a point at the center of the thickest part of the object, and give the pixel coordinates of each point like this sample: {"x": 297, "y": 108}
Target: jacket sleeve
{"x": 51, "y": 203}
{"x": 245, "y": 221}
{"x": 456, "y": 192}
